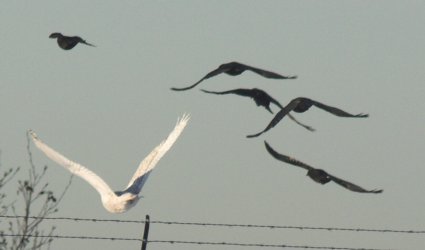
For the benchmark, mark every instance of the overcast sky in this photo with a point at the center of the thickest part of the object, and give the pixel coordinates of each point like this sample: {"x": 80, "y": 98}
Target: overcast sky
{"x": 107, "y": 107}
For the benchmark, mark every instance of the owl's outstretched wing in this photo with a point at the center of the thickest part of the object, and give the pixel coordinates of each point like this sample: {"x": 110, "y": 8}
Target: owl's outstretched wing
{"x": 98, "y": 183}
{"x": 145, "y": 167}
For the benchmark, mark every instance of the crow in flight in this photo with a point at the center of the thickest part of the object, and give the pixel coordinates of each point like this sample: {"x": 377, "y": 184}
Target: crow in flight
{"x": 68, "y": 42}
{"x": 260, "y": 97}
{"x": 234, "y": 69}
{"x": 300, "y": 105}
{"x": 319, "y": 175}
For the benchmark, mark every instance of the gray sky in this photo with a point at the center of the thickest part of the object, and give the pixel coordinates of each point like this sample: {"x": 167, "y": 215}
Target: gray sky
{"x": 108, "y": 107}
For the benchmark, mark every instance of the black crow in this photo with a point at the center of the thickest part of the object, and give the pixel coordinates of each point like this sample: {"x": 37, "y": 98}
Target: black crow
{"x": 260, "y": 97}
{"x": 234, "y": 69}
{"x": 68, "y": 42}
{"x": 319, "y": 175}
{"x": 300, "y": 105}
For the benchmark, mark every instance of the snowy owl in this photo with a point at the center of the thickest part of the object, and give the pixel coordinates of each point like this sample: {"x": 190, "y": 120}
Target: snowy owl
{"x": 119, "y": 201}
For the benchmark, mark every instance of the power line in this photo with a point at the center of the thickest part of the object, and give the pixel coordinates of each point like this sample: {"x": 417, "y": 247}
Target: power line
{"x": 190, "y": 242}
{"x": 71, "y": 237}
{"x": 225, "y": 224}
{"x": 290, "y": 227}
{"x": 260, "y": 245}
{"x": 75, "y": 219}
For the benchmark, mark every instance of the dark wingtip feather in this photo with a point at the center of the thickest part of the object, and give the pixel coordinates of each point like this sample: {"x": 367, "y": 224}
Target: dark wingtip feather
{"x": 186, "y": 88}
{"x": 254, "y": 135}
{"x": 181, "y": 89}
{"x": 207, "y": 91}
{"x": 362, "y": 115}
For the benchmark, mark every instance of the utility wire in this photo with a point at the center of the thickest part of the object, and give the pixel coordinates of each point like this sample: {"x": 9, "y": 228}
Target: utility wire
{"x": 290, "y": 227}
{"x": 225, "y": 224}
{"x": 190, "y": 242}
{"x": 259, "y": 245}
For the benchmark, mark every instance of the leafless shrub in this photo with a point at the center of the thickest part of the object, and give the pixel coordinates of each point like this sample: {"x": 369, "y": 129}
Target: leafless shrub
{"x": 36, "y": 202}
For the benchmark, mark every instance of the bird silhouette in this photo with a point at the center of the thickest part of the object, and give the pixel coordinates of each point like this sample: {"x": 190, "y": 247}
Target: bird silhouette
{"x": 300, "y": 105}
{"x": 119, "y": 201}
{"x": 319, "y": 175}
{"x": 261, "y": 98}
{"x": 68, "y": 42}
{"x": 234, "y": 69}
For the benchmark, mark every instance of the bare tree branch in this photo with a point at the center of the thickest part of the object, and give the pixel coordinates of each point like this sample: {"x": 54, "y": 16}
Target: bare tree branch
{"x": 38, "y": 203}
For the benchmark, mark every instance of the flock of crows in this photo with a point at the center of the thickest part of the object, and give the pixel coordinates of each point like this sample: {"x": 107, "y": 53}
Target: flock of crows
{"x": 122, "y": 201}
{"x": 298, "y": 105}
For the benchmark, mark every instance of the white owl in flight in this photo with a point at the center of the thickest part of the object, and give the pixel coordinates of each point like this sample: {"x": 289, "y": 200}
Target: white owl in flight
{"x": 118, "y": 201}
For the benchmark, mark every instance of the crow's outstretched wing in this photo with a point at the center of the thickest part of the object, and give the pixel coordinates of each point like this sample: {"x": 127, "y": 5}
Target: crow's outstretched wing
{"x": 268, "y": 74}
{"x": 278, "y": 117}
{"x": 353, "y": 187}
{"x": 215, "y": 72}
{"x": 286, "y": 158}
{"x": 241, "y": 92}
{"x": 336, "y": 111}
